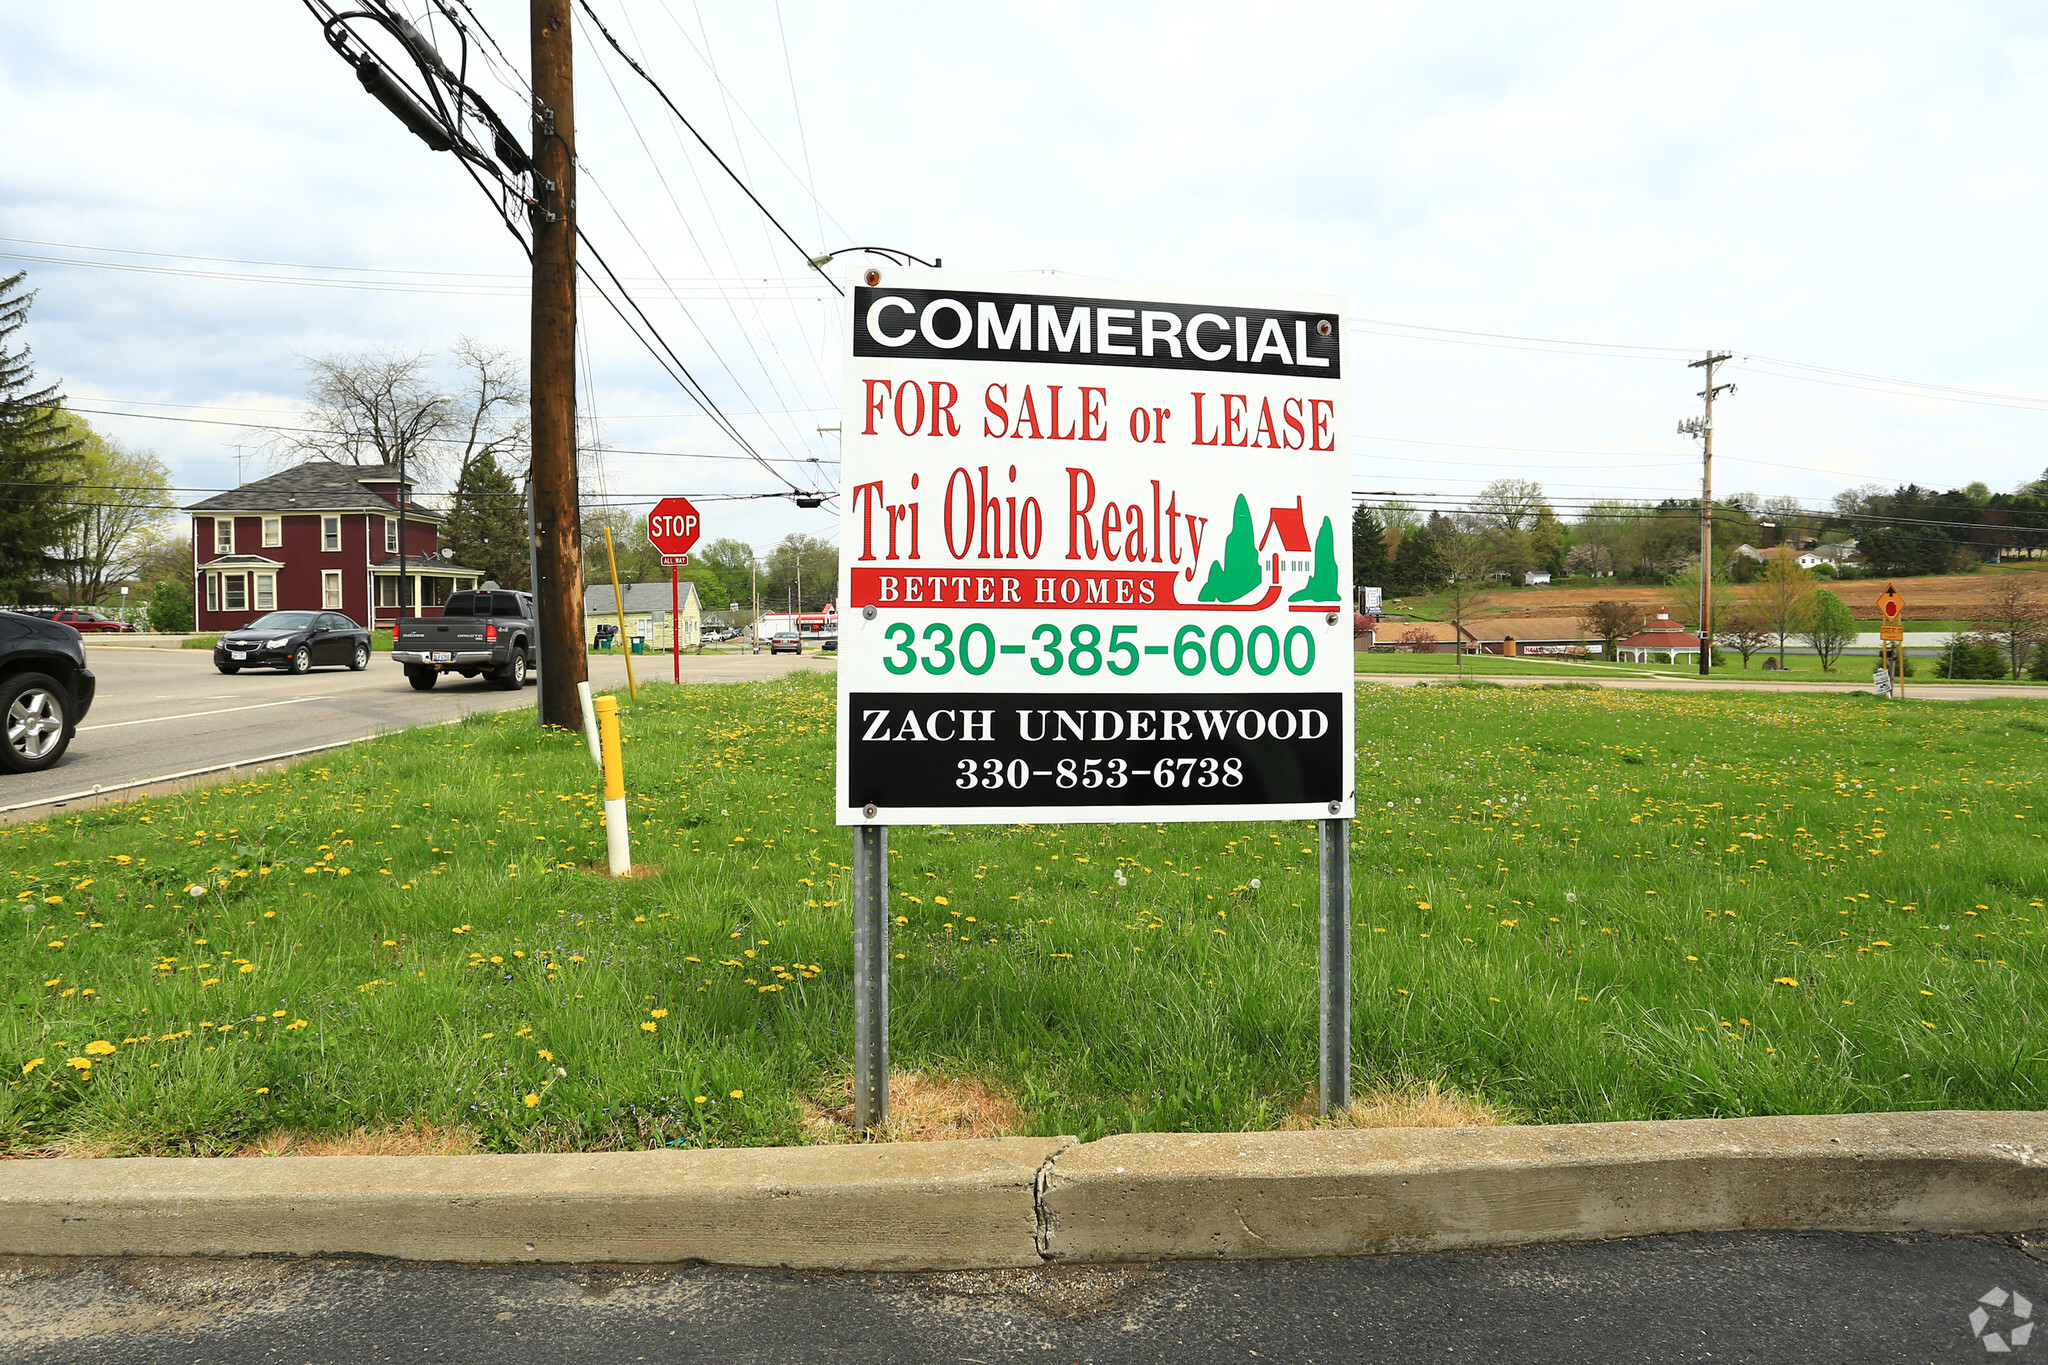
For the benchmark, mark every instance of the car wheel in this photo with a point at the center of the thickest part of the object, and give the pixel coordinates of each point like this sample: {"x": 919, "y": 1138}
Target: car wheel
{"x": 362, "y": 657}
{"x": 512, "y": 676}
{"x": 302, "y": 660}
{"x": 35, "y": 710}
{"x": 422, "y": 679}
{"x": 229, "y": 668}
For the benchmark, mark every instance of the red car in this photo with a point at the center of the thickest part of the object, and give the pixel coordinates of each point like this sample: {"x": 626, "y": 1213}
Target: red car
{"x": 85, "y": 621}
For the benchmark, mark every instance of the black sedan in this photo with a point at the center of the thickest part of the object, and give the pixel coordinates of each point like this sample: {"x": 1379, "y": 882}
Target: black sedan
{"x": 295, "y": 641}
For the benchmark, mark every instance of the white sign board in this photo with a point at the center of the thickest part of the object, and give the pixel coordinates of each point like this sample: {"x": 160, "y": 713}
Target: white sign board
{"x": 1094, "y": 553}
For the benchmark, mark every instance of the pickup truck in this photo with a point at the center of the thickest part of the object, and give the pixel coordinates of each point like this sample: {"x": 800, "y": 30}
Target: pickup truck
{"x": 488, "y": 633}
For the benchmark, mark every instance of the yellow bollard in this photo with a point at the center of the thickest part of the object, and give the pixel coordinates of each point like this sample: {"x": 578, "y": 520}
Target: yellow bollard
{"x": 617, "y": 843}
{"x": 619, "y": 601}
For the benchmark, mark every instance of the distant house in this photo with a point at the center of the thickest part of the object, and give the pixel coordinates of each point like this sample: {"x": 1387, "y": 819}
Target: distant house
{"x": 1838, "y": 554}
{"x": 647, "y": 613}
{"x": 1662, "y": 636}
{"x": 321, "y": 536}
{"x": 1286, "y": 546}
{"x": 1535, "y": 578}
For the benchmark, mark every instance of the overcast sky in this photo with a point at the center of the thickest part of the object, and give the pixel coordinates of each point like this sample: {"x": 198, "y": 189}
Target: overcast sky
{"x": 1848, "y": 197}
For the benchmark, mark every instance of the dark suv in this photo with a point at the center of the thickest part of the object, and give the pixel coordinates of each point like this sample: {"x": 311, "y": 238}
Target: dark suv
{"x": 45, "y": 691}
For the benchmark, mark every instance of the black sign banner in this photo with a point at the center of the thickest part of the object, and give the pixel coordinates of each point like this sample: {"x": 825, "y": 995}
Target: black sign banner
{"x": 936, "y": 749}
{"x": 1046, "y": 329}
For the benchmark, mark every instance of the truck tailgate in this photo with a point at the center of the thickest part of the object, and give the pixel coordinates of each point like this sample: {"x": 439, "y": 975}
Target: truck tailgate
{"x": 441, "y": 632}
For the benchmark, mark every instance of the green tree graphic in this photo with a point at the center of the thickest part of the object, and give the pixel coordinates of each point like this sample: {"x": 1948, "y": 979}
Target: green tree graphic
{"x": 1237, "y": 573}
{"x": 1322, "y": 585}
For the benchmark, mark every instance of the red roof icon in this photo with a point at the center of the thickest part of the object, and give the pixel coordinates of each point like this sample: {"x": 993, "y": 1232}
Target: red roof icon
{"x": 1293, "y": 535}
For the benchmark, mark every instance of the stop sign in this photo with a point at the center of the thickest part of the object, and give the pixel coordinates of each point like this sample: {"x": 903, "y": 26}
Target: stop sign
{"x": 672, "y": 528}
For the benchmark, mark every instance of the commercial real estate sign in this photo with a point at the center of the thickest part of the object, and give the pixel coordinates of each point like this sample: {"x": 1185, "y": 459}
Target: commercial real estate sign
{"x": 1094, "y": 550}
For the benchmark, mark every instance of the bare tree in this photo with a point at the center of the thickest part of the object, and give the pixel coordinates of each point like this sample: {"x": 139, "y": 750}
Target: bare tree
{"x": 1611, "y": 622}
{"x": 1743, "y": 633}
{"x": 1782, "y": 599}
{"x": 2016, "y": 614}
{"x": 489, "y": 415}
{"x": 371, "y": 407}
{"x": 1467, "y": 563}
{"x": 1511, "y": 504}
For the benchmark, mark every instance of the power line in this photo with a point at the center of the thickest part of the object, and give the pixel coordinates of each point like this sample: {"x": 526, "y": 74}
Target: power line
{"x": 642, "y": 72}
{"x": 437, "y": 440}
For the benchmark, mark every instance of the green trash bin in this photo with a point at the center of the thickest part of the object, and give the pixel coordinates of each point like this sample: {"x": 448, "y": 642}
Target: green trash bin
{"x": 639, "y": 644}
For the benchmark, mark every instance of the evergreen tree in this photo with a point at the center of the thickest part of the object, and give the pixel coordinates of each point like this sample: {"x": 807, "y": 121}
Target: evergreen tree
{"x": 1417, "y": 565}
{"x": 1368, "y": 548}
{"x": 35, "y": 464}
{"x": 486, "y": 526}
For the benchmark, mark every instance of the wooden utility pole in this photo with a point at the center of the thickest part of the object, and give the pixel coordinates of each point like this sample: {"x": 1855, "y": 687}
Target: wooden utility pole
{"x": 557, "y": 520}
{"x": 1704, "y": 429}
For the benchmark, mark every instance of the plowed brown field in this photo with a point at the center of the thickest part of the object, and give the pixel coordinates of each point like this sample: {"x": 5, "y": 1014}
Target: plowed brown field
{"x": 1947, "y": 597}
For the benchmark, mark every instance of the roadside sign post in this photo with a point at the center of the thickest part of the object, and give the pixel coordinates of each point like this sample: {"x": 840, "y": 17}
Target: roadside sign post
{"x": 1891, "y": 632}
{"x": 1090, "y": 572}
{"x": 672, "y": 528}
{"x": 870, "y": 977}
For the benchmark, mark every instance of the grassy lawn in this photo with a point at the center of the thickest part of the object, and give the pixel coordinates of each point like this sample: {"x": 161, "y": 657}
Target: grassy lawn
{"x": 1571, "y": 905}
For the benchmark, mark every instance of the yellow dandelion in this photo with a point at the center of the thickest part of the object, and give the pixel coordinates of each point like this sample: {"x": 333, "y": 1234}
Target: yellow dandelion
{"x": 31, "y": 1065}
{"x": 650, "y": 1026}
{"x": 1422, "y": 905}
{"x": 659, "y": 1014}
{"x": 99, "y": 1047}
{"x": 1785, "y": 980}
{"x": 532, "y": 1100}
{"x": 85, "y": 1063}
{"x": 739, "y": 1094}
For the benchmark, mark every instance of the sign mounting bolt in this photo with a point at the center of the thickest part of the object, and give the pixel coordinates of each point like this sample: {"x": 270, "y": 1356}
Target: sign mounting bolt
{"x": 867, "y": 613}
{"x": 868, "y": 811}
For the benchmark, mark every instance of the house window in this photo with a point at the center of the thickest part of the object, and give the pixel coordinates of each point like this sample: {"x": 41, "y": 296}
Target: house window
{"x": 330, "y": 588}
{"x": 223, "y": 535}
{"x": 234, "y": 592}
{"x": 273, "y": 532}
{"x": 387, "y": 590}
{"x": 213, "y": 592}
{"x": 330, "y": 534}
{"x": 391, "y": 535}
{"x": 266, "y": 592}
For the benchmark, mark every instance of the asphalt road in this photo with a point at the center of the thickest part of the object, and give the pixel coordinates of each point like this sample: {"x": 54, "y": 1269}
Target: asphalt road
{"x": 1776, "y": 1297}
{"x": 162, "y": 712}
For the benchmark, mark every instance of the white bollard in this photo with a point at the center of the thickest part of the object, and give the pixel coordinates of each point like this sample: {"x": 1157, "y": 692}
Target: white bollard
{"x": 617, "y": 842}
{"x": 589, "y": 722}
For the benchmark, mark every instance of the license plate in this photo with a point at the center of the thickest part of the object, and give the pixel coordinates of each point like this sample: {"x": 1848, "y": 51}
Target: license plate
{"x": 442, "y": 656}
{"x": 237, "y": 654}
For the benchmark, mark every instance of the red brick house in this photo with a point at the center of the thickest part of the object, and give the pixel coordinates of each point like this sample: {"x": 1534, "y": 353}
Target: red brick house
{"x": 321, "y": 536}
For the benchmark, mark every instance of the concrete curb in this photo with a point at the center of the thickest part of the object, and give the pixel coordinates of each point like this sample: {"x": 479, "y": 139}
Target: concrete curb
{"x": 1025, "y": 1201}
{"x": 891, "y": 1206}
{"x": 1275, "y": 1195}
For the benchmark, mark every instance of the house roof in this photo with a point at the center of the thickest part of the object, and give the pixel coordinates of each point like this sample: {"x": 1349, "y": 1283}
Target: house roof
{"x": 242, "y": 562}
{"x": 1662, "y": 633}
{"x": 640, "y": 597}
{"x": 315, "y": 486}
{"x": 1293, "y": 535}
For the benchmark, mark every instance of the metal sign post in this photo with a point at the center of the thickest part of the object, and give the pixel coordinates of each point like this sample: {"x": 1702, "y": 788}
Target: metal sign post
{"x": 1091, "y": 571}
{"x": 1333, "y": 961}
{"x": 870, "y": 977}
